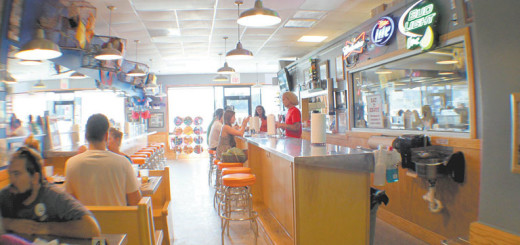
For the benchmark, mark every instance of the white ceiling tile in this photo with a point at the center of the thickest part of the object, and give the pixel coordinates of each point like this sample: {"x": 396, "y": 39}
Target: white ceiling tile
{"x": 309, "y": 14}
{"x": 195, "y": 24}
{"x": 196, "y": 32}
{"x": 157, "y": 15}
{"x": 145, "y": 5}
{"x": 160, "y": 24}
{"x": 195, "y": 14}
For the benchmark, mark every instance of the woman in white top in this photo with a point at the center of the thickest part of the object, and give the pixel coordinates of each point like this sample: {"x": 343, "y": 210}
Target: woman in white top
{"x": 215, "y": 129}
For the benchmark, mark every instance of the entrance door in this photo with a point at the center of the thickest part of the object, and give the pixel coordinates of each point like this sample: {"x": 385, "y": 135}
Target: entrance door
{"x": 239, "y": 99}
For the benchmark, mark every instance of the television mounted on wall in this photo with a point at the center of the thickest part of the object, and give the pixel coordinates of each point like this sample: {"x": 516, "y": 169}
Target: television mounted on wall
{"x": 284, "y": 80}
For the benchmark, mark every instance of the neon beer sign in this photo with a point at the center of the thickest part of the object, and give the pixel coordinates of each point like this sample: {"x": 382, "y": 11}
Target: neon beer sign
{"x": 383, "y": 31}
{"x": 357, "y": 45}
{"x": 418, "y": 23}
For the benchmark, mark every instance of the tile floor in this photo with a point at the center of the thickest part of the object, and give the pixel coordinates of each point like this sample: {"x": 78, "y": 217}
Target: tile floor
{"x": 195, "y": 221}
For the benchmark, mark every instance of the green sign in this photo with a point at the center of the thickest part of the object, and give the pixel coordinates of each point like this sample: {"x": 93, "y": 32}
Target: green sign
{"x": 418, "y": 23}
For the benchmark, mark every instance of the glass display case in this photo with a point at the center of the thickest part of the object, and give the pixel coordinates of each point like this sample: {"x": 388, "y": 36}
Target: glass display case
{"x": 426, "y": 91}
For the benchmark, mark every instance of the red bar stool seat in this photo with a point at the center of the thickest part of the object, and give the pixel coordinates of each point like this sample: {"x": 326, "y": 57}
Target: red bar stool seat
{"x": 236, "y": 170}
{"x": 237, "y": 201}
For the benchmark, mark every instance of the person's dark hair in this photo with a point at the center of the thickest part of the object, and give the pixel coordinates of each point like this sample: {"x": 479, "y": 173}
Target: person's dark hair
{"x": 227, "y": 117}
{"x": 33, "y": 160}
{"x": 263, "y": 112}
{"x": 17, "y": 122}
{"x": 218, "y": 113}
{"x": 97, "y": 127}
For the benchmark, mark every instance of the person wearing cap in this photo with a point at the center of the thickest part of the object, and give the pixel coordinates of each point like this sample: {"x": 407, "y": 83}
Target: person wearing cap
{"x": 30, "y": 205}
{"x": 293, "y": 118}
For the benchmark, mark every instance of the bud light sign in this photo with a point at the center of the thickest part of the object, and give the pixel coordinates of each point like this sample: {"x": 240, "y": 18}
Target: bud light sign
{"x": 383, "y": 31}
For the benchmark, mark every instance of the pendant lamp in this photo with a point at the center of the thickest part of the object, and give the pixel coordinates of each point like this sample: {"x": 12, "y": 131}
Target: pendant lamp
{"x": 109, "y": 52}
{"x": 77, "y": 75}
{"x": 221, "y": 78}
{"x": 30, "y": 62}
{"x": 239, "y": 53}
{"x": 8, "y": 78}
{"x": 136, "y": 72}
{"x": 39, "y": 48}
{"x": 259, "y": 16}
{"x": 225, "y": 69}
{"x": 39, "y": 84}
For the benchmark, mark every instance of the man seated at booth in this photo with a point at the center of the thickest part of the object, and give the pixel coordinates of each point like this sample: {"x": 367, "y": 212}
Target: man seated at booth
{"x": 99, "y": 177}
{"x": 30, "y": 205}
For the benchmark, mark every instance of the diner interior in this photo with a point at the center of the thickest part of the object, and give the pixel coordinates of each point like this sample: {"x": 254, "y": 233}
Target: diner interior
{"x": 321, "y": 122}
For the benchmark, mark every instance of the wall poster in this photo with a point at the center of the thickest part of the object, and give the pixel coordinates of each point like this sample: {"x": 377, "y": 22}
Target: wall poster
{"x": 375, "y": 111}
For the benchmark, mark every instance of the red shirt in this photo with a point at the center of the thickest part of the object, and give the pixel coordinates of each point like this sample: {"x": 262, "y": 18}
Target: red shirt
{"x": 293, "y": 116}
{"x": 263, "y": 128}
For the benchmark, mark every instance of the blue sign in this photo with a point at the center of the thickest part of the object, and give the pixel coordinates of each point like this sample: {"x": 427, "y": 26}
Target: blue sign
{"x": 383, "y": 31}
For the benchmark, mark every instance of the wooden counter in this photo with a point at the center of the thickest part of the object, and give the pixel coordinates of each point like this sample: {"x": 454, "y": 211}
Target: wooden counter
{"x": 310, "y": 195}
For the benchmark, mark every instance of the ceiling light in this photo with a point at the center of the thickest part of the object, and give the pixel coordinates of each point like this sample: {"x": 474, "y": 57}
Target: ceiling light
{"x": 300, "y": 23}
{"x": 225, "y": 69}
{"x": 446, "y": 62}
{"x": 8, "y": 78}
{"x": 446, "y": 73}
{"x": 259, "y": 16}
{"x": 309, "y": 14}
{"x": 221, "y": 78}
{"x": 109, "y": 52}
{"x": 77, "y": 75}
{"x": 39, "y": 48}
{"x": 239, "y": 53}
{"x": 30, "y": 62}
{"x": 136, "y": 72}
{"x": 39, "y": 84}
{"x": 312, "y": 39}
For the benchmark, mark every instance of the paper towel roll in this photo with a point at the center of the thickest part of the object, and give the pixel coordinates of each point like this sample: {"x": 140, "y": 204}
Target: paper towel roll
{"x": 385, "y": 141}
{"x": 256, "y": 124}
{"x": 318, "y": 126}
{"x": 271, "y": 125}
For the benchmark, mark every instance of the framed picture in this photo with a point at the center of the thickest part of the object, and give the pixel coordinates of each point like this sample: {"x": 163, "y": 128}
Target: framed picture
{"x": 340, "y": 71}
{"x": 156, "y": 120}
{"x": 515, "y": 129}
{"x": 324, "y": 70}
{"x": 15, "y": 20}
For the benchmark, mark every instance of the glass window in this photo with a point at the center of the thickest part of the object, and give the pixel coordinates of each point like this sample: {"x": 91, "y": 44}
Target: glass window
{"x": 428, "y": 91}
{"x": 237, "y": 91}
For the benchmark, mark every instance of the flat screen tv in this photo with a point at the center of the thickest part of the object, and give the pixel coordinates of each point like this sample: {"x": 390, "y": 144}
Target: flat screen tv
{"x": 284, "y": 80}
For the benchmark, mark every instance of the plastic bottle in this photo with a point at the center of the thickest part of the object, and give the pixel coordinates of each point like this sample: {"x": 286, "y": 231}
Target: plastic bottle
{"x": 380, "y": 168}
{"x": 392, "y": 170}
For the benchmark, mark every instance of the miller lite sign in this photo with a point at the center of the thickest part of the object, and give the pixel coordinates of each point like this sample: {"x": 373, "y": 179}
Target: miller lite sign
{"x": 383, "y": 31}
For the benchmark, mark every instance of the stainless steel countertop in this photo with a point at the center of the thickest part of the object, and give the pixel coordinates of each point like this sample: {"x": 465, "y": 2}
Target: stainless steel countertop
{"x": 302, "y": 152}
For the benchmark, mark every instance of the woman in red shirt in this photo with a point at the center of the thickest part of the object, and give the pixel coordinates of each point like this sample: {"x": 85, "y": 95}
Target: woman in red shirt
{"x": 293, "y": 118}
{"x": 260, "y": 112}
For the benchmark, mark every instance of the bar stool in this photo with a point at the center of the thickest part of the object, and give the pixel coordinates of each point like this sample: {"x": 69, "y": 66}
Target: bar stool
{"x": 140, "y": 155}
{"x": 157, "y": 155}
{"x": 150, "y": 152}
{"x": 218, "y": 182}
{"x": 237, "y": 201}
{"x": 212, "y": 165}
{"x": 162, "y": 157}
{"x": 148, "y": 158}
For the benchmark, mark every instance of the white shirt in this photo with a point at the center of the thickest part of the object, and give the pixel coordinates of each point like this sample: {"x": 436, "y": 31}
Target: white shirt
{"x": 100, "y": 178}
{"x": 214, "y": 134}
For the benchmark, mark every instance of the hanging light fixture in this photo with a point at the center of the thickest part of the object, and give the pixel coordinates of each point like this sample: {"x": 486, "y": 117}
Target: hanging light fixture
{"x": 109, "y": 52}
{"x": 8, "y": 78}
{"x": 30, "y": 62}
{"x": 220, "y": 78}
{"x": 136, "y": 72}
{"x": 39, "y": 48}
{"x": 259, "y": 16}
{"x": 39, "y": 84}
{"x": 226, "y": 69}
{"x": 239, "y": 53}
{"x": 77, "y": 75}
